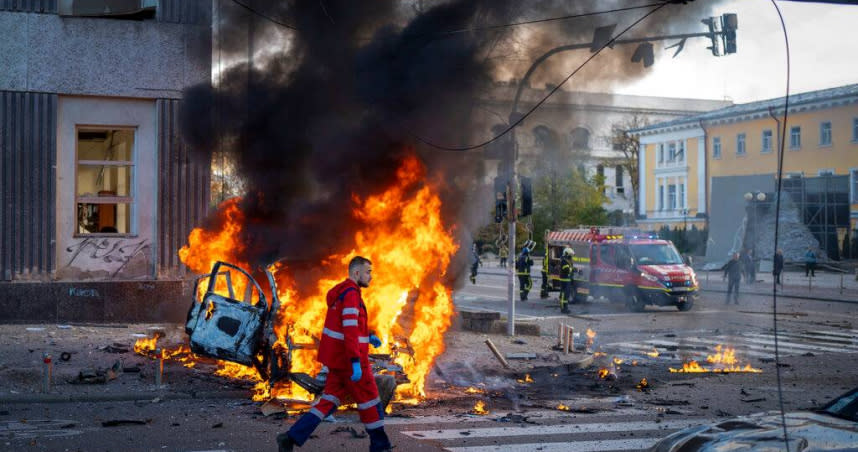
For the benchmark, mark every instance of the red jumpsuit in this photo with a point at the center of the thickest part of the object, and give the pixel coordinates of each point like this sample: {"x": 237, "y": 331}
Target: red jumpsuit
{"x": 345, "y": 339}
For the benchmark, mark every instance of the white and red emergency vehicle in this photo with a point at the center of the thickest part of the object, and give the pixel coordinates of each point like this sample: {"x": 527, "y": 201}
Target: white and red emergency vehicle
{"x": 623, "y": 264}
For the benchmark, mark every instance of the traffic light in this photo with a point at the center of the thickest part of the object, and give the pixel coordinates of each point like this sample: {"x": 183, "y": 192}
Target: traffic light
{"x": 526, "y": 196}
{"x": 729, "y": 25}
{"x": 644, "y": 53}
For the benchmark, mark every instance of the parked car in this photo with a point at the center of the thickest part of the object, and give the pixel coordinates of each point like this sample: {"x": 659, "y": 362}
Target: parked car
{"x": 833, "y": 427}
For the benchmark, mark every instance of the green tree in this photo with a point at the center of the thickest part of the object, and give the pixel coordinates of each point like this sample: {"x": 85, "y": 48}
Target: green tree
{"x": 566, "y": 200}
{"x": 628, "y": 145}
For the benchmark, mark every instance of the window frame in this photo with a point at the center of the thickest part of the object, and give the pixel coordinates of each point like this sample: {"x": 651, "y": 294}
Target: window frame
{"x": 671, "y": 203}
{"x": 855, "y": 129}
{"x": 716, "y": 148}
{"x": 130, "y": 199}
{"x": 766, "y": 144}
{"x": 823, "y": 144}
{"x": 741, "y": 144}
{"x": 795, "y": 138}
{"x": 825, "y": 172}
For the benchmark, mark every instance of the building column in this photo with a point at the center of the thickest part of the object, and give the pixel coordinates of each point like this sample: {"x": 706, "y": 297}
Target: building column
{"x": 701, "y": 174}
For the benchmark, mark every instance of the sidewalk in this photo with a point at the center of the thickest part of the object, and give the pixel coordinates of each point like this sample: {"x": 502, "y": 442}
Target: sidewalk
{"x": 826, "y": 286}
{"x": 92, "y": 349}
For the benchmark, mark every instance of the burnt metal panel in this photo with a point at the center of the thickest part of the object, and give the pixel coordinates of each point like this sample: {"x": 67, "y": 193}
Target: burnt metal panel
{"x": 184, "y": 11}
{"x": 29, "y": 6}
{"x": 28, "y": 142}
{"x": 183, "y": 184}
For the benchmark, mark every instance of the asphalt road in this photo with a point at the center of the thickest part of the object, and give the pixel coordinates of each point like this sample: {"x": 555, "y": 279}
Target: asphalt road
{"x": 816, "y": 340}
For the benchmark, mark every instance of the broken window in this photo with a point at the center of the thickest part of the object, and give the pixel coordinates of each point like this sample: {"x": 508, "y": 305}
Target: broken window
{"x": 103, "y": 185}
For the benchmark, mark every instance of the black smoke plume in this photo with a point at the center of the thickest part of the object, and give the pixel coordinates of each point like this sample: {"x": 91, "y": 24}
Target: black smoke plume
{"x": 331, "y": 114}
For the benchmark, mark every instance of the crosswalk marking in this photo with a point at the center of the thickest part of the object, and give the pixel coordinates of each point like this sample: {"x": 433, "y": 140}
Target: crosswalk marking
{"x": 750, "y": 344}
{"x": 560, "y": 429}
{"x": 576, "y": 446}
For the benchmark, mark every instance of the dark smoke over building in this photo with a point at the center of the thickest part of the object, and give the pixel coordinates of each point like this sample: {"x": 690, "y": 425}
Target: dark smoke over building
{"x": 331, "y": 115}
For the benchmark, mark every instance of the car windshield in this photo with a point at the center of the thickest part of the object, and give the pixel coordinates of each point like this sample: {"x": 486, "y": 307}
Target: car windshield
{"x": 661, "y": 254}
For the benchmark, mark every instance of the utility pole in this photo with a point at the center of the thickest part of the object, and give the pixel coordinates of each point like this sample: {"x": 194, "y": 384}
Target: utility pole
{"x": 722, "y": 33}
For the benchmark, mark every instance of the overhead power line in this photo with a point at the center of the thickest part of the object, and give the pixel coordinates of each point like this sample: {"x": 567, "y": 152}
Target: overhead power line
{"x": 609, "y": 43}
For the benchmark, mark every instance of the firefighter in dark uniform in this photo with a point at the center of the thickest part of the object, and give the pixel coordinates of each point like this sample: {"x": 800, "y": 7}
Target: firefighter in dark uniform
{"x": 522, "y": 269}
{"x": 543, "y": 291}
{"x": 567, "y": 271}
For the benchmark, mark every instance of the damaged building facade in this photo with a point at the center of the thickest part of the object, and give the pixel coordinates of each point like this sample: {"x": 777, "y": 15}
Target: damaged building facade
{"x": 100, "y": 190}
{"x": 718, "y": 170}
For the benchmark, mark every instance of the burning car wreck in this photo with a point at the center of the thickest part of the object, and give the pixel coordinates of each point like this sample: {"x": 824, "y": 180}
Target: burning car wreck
{"x": 232, "y": 319}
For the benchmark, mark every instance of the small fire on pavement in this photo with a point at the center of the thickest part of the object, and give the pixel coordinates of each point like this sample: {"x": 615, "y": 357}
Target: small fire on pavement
{"x": 525, "y": 380}
{"x": 563, "y": 407}
{"x": 473, "y": 390}
{"x": 724, "y": 361}
{"x": 643, "y": 385}
{"x": 591, "y": 336}
{"x": 653, "y": 354}
{"x": 607, "y": 374}
{"x": 480, "y": 408}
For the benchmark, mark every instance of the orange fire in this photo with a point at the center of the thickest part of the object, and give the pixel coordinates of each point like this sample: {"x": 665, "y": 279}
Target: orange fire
{"x": 604, "y": 372}
{"x": 724, "y": 360}
{"x": 480, "y": 408}
{"x": 525, "y": 380}
{"x": 591, "y": 337}
{"x": 643, "y": 385}
{"x": 653, "y": 354}
{"x": 618, "y": 361}
{"x": 563, "y": 407}
{"x": 473, "y": 390}
{"x": 402, "y": 234}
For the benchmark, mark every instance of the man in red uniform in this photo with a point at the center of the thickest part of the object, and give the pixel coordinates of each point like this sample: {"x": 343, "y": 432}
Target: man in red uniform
{"x": 344, "y": 349}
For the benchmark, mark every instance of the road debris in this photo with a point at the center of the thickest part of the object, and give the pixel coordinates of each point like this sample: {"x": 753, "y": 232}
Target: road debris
{"x": 120, "y": 422}
{"x": 349, "y": 429}
{"x": 497, "y": 354}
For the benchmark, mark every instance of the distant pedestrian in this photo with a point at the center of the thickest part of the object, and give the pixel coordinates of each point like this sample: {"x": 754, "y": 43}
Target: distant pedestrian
{"x": 733, "y": 273}
{"x": 748, "y": 270}
{"x": 810, "y": 263}
{"x": 475, "y": 263}
{"x": 503, "y": 253}
{"x": 778, "y": 266}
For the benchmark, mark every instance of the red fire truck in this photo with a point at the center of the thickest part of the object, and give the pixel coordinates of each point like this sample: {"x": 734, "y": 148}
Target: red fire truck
{"x": 623, "y": 264}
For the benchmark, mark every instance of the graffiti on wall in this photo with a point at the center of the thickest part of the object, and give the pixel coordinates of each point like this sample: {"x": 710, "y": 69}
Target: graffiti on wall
{"x": 105, "y": 253}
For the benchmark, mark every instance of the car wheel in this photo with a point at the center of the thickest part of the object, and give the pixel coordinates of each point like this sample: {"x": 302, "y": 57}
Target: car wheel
{"x": 686, "y": 305}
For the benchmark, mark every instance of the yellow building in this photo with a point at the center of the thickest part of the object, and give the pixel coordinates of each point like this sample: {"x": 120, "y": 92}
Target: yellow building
{"x": 706, "y": 169}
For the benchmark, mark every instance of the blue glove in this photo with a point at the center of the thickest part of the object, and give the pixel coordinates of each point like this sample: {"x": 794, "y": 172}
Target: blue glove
{"x": 374, "y": 340}
{"x": 357, "y": 373}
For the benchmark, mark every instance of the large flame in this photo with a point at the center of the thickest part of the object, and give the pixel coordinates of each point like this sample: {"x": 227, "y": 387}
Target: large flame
{"x": 403, "y": 235}
{"x": 724, "y": 361}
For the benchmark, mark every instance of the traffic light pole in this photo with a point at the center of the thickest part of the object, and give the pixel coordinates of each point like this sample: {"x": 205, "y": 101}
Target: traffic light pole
{"x": 511, "y": 214}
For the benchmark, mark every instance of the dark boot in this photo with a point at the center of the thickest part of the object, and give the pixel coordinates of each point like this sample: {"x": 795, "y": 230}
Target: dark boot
{"x": 564, "y": 309}
{"x": 285, "y": 443}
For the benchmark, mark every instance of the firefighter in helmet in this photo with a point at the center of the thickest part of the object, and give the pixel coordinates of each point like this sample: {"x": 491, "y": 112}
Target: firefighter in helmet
{"x": 567, "y": 271}
{"x": 543, "y": 291}
{"x": 522, "y": 269}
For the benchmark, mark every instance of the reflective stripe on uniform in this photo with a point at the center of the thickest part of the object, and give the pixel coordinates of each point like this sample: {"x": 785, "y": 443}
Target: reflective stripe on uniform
{"x": 351, "y": 311}
{"x": 371, "y": 403}
{"x": 332, "y": 399}
{"x": 350, "y": 322}
{"x": 377, "y": 424}
{"x": 363, "y": 339}
{"x": 333, "y": 334}
{"x": 317, "y": 413}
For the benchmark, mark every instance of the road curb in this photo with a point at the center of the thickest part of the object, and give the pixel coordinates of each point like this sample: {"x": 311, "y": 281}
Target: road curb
{"x": 122, "y": 397}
